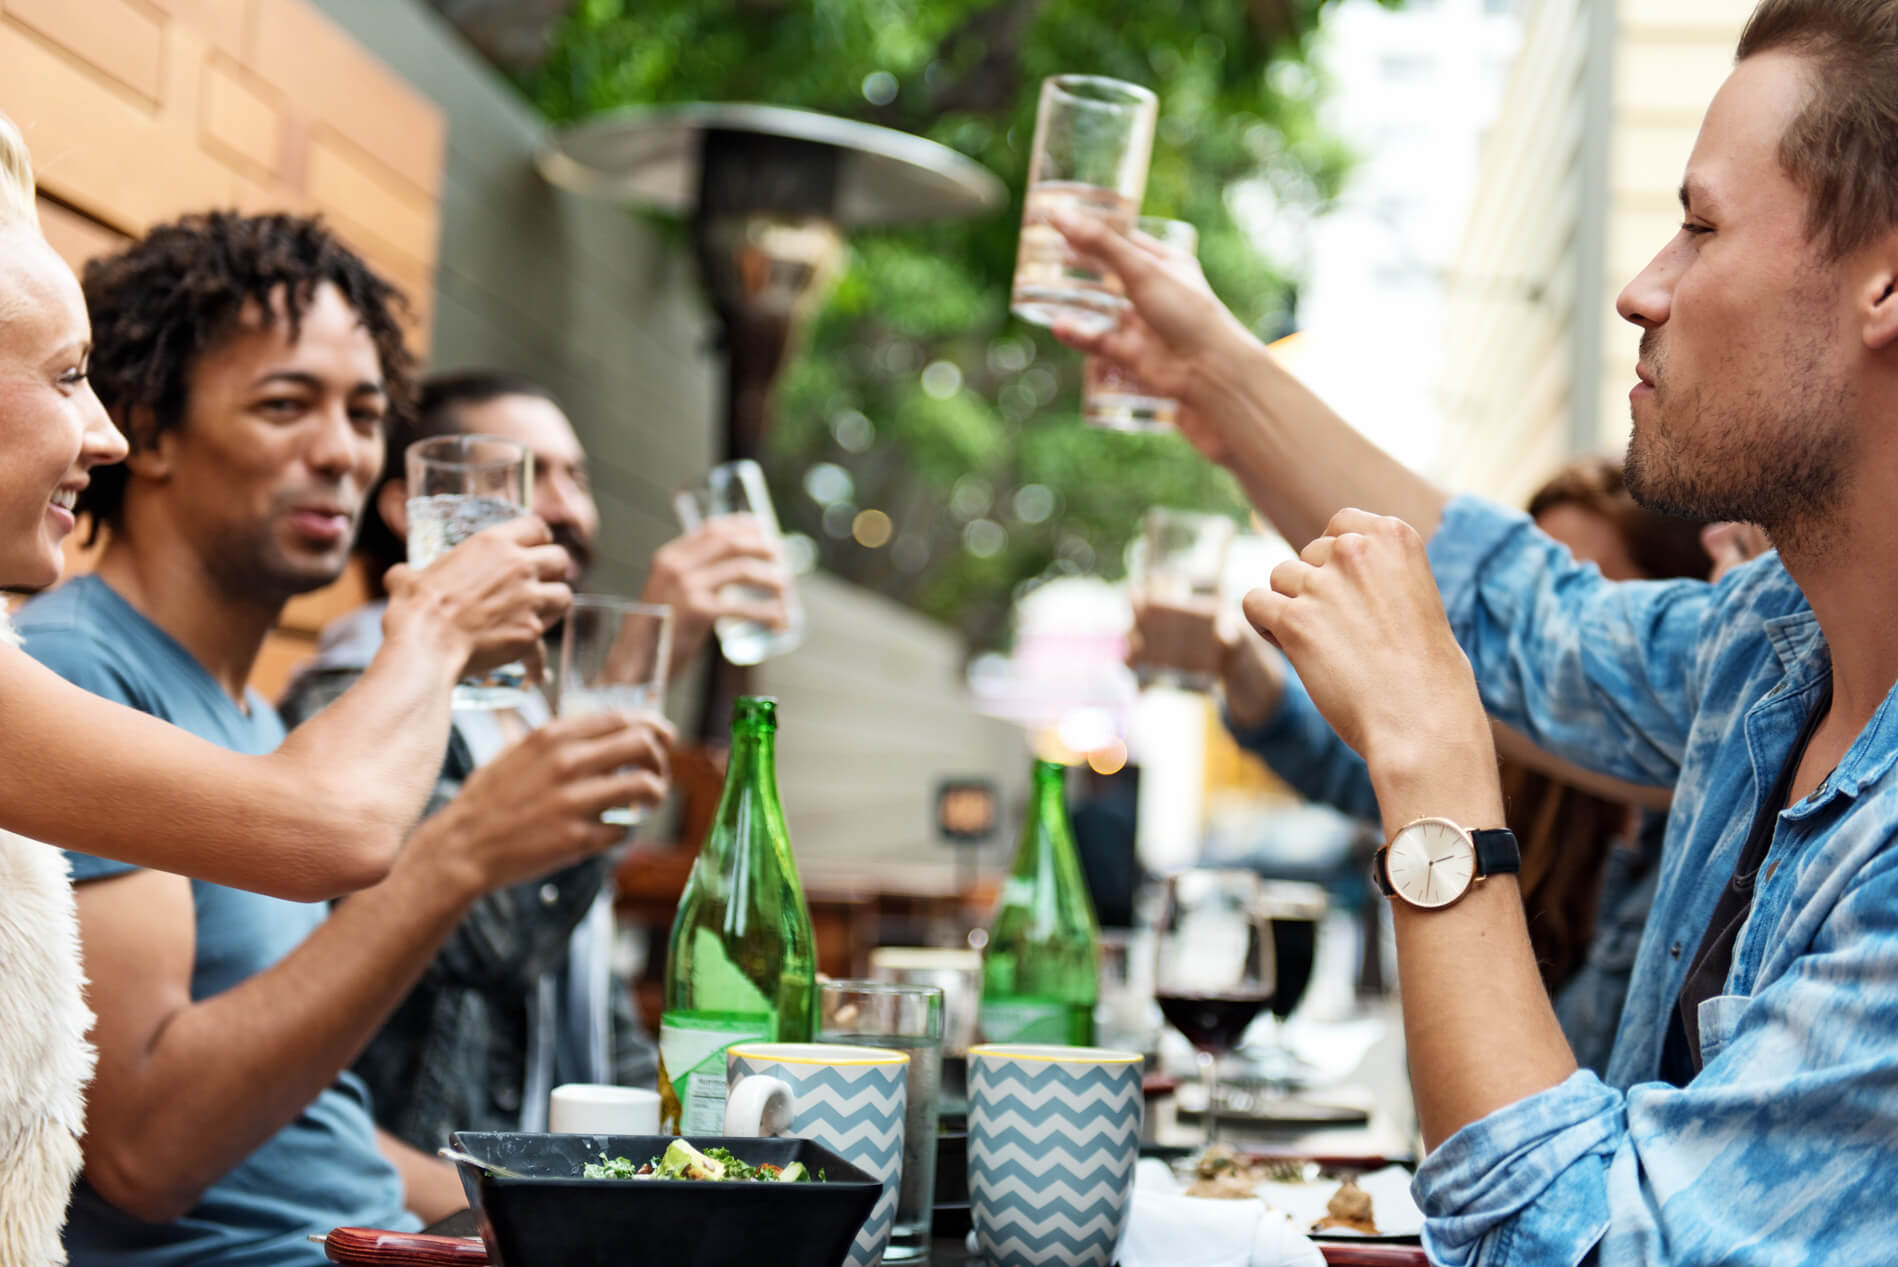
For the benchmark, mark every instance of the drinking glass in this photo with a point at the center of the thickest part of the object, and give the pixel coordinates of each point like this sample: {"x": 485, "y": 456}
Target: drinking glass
{"x": 457, "y": 486}
{"x": 614, "y": 656}
{"x": 904, "y": 1018}
{"x": 1295, "y": 911}
{"x": 1214, "y": 967}
{"x": 1093, "y": 139}
{"x": 1112, "y": 398}
{"x": 738, "y": 488}
{"x": 1178, "y": 569}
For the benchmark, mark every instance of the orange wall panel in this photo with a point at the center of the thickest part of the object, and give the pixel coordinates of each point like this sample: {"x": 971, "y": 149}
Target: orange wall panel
{"x": 138, "y": 111}
{"x": 121, "y": 39}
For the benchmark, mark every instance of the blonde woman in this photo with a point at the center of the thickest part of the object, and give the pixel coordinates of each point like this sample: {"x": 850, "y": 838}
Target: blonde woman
{"x": 323, "y": 815}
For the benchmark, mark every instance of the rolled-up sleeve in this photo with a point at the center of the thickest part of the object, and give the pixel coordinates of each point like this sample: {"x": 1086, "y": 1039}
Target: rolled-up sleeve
{"x": 1300, "y": 746}
{"x": 1771, "y": 1155}
{"x": 1600, "y": 673}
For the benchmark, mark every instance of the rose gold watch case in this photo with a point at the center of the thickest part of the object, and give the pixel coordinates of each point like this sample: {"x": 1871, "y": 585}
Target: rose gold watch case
{"x": 1442, "y": 827}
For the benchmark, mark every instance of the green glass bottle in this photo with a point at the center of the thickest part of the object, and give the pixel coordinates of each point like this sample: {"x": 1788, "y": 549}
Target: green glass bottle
{"x": 1041, "y": 967}
{"x": 741, "y": 964}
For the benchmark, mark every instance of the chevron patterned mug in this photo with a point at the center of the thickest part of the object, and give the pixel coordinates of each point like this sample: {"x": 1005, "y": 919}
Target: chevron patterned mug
{"x": 1053, "y": 1136}
{"x": 849, "y": 1099}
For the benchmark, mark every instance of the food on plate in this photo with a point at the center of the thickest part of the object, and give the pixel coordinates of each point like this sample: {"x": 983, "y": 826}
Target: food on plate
{"x": 682, "y": 1161}
{"x": 1222, "y": 1174}
{"x": 1349, "y": 1209}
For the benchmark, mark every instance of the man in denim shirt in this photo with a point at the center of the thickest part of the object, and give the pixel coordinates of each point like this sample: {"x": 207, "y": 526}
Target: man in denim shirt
{"x": 1747, "y": 1111}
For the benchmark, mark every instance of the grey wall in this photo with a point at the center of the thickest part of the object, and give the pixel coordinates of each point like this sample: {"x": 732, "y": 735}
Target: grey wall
{"x": 583, "y": 297}
{"x": 575, "y": 293}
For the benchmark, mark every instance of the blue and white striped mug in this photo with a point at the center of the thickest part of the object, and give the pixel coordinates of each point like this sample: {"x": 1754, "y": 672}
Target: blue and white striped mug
{"x": 1053, "y": 1136}
{"x": 849, "y": 1099}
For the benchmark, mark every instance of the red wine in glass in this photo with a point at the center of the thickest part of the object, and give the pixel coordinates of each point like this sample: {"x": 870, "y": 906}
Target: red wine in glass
{"x": 1213, "y": 1022}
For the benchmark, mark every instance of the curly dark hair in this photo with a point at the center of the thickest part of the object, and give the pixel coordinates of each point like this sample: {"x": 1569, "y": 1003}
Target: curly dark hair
{"x": 179, "y": 292}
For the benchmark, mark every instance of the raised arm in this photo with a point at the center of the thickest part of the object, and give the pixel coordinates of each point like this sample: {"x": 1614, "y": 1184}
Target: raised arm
{"x": 1299, "y": 462}
{"x": 324, "y": 814}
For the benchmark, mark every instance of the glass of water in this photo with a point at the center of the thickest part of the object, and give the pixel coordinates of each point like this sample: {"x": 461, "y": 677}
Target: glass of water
{"x": 903, "y": 1018}
{"x": 1093, "y": 140}
{"x": 614, "y": 657}
{"x": 457, "y": 486}
{"x": 1180, "y": 564}
{"x": 738, "y": 488}
{"x": 1111, "y": 397}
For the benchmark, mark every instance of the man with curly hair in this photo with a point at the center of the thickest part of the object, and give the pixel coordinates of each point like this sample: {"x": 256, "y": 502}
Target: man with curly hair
{"x": 253, "y": 363}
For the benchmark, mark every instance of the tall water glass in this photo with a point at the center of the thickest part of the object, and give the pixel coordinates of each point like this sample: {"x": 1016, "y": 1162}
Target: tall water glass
{"x": 457, "y": 486}
{"x": 614, "y": 656}
{"x": 903, "y": 1018}
{"x": 1093, "y": 140}
{"x": 1179, "y": 565}
{"x": 738, "y": 488}
{"x": 1111, "y": 397}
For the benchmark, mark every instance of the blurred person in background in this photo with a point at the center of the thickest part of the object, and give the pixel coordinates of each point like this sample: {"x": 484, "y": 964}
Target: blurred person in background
{"x": 1588, "y": 862}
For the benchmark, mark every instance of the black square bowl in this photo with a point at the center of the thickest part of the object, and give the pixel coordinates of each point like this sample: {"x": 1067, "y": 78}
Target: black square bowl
{"x": 552, "y": 1217}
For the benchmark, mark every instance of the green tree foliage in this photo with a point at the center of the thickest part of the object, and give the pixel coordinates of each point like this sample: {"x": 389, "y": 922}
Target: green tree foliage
{"x": 959, "y": 422}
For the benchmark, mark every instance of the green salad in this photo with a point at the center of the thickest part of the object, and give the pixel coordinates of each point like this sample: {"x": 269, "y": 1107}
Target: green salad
{"x": 682, "y": 1161}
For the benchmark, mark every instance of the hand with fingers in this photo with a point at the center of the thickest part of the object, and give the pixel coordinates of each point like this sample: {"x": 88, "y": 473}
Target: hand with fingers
{"x": 536, "y": 807}
{"x": 1359, "y": 616}
{"x": 491, "y": 597}
{"x": 727, "y": 568}
{"x": 1174, "y": 327}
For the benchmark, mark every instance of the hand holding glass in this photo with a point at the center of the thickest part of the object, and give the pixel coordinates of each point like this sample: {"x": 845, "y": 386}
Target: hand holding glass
{"x": 738, "y": 488}
{"x": 1093, "y": 140}
{"x": 1112, "y": 398}
{"x": 458, "y": 485}
{"x": 614, "y": 655}
{"x": 1175, "y": 587}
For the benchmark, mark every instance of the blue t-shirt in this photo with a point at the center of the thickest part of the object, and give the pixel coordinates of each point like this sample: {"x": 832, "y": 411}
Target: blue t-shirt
{"x": 322, "y": 1170}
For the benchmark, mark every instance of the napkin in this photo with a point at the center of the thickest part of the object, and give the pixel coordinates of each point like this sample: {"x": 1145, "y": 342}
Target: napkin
{"x": 1168, "y": 1229}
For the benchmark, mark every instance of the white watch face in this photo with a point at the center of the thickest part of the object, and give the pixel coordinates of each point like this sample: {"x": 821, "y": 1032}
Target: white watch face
{"x": 1431, "y": 863}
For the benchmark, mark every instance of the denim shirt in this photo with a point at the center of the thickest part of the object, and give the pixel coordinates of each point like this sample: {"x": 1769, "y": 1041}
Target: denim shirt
{"x": 1300, "y": 746}
{"x": 1776, "y": 1152}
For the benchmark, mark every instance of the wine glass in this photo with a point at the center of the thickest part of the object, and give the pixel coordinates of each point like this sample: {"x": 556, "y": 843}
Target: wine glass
{"x": 1214, "y": 967}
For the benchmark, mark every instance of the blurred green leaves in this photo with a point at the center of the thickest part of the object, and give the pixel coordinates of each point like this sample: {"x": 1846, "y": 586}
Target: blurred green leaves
{"x": 916, "y": 380}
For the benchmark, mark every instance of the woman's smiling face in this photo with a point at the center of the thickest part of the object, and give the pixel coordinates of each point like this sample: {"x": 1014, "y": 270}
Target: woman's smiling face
{"x": 53, "y": 430}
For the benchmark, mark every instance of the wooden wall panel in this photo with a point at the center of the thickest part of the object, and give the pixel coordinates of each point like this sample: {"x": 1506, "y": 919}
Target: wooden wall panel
{"x": 138, "y": 111}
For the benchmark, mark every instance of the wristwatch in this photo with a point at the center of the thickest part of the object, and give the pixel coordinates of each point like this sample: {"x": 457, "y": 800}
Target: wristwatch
{"x": 1432, "y": 862}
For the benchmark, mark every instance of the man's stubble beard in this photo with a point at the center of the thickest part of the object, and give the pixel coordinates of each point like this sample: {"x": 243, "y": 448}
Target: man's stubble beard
{"x": 1782, "y": 460}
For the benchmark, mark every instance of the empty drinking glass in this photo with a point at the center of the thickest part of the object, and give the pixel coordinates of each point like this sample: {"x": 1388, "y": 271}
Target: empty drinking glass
{"x": 1111, "y": 397}
{"x": 614, "y": 656}
{"x": 1093, "y": 139}
{"x": 738, "y": 488}
{"x": 458, "y": 485}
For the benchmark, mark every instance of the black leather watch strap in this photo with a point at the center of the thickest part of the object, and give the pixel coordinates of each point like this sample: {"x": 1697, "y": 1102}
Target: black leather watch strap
{"x": 1381, "y": 874}
{"x": 1496, "y": 852}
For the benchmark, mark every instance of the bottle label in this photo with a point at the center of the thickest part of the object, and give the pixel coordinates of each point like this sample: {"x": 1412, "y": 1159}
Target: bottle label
{"x": 692, "y": 1048}
{"x": 1024, "y": 1021}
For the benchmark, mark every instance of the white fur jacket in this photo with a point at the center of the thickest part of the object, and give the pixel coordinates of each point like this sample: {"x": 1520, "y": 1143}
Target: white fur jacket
{"x": 45, "y": 1060}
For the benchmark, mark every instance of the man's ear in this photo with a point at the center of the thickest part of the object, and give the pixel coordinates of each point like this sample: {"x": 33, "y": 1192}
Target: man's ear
{"x": 392, "y": 503}
{"x": 151, "y": 449}
{"x": 1879, "y": 310}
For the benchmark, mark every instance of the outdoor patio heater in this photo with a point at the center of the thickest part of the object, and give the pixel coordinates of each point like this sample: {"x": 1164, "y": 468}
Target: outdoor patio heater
{"x": 768, "y": 193}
